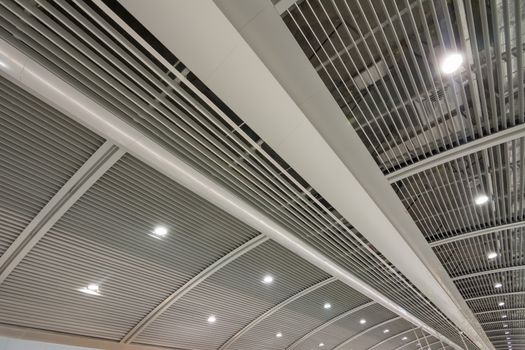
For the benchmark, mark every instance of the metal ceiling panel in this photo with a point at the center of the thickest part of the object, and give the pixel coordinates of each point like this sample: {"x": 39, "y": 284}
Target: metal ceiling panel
{"x": 372, "y": 337}
{"x": 510, "y": 301}
{"x": 512, "y": 281}
{"x": 40, "y": 150}
{"x": 301, "y": 316}
{"x": 238, "y": 286}
{"x": 106, "y": 238}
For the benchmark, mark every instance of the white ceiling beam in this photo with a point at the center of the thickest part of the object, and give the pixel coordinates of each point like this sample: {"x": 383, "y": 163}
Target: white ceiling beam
{"x": 471, "y": 147}
{"x": 327, "y": 323}
{"x": 478, "y": 233}
{"x": 247, "y": 56}
{"x": 99, "y": 162}
{"x": 488, "y": 272}
{"x": 273, "y": 310}
{"x": 190, "y": 285}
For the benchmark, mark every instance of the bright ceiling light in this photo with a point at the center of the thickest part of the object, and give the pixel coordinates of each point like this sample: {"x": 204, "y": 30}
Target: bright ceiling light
{"x": 362, "y": 321}
{"x": 212, "y": 319}
{"x": 451, "y": 62}
{"x": 481, "y": 199}
{"x": 267, "y": 279}
{"x": 507, "y": 332}
{"x": 279, "y": 334}
{"x": 159, "y": 232}
{"x": 386, "y": 330}
{"x": 327, "y": 306}
{"x": 404, "y": 338}
{"x": 91, "y": 289}
{"x": 501, "y": 303}
{"x": 503, "y": 316}
{"x": 492, "y": 255}
{"x": 508, "y": 338}
{"x": 498, "y": 285}
{"x": 321, "y": 345}
{"x": 505, "y": 325}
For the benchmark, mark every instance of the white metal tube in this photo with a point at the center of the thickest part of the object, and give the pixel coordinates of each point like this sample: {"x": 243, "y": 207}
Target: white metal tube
{"x": 32, "y": 76}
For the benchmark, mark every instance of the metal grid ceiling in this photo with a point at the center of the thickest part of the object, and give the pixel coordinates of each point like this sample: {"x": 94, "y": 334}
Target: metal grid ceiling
{"x": 105, "y": 239}
{"x": 381, "y": 61}
{"x": 113, "y": 69}
{"x": 40, "y": 149}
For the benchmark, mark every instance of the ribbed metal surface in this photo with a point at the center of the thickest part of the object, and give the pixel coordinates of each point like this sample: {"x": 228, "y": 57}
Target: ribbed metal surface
{"x": 105, "y": 239}
{"x": 40, "y": 149}
{"x": 117, "y": 74}
{"x": 512, "y": 281}
{"x": 301, "y": 316}
{"x": 403, "y": 341}
{"x": 382, "y": 63}
{"x": 347, "y": 327}
{"x": 511, "y": 301}
{"x": 238, "y": 286}
{"x": 376, "y": 335}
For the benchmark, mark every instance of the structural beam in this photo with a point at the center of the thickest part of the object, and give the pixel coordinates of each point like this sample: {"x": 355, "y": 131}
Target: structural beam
{"x": 273, "y": 310}
{"x": 239, "y": 45}
{"x": 99, "y": 162}
{"x": 191, "y": 284}
{"x": 488, "y": 272}
{"x": 354, "y": 337}
{"x": 390, "y": 338}
{"x": 477, "y": 145}
{"x": 478, "y": 233}
{"x": 495, "y": 296}
{"x": 327, "y": 323}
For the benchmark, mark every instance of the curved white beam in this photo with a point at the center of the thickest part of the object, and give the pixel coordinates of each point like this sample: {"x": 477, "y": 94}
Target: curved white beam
{"x": 488, "y": 272}
{"x": 191, "y": 284}
{"x": 477, "y": 233}
{"x": 354, "y": 337}
{"x": 99, "y": 162}
{"x": 273, "y": 310}
{"x": 35, "y": 78}
{"x": 327, "y": 323}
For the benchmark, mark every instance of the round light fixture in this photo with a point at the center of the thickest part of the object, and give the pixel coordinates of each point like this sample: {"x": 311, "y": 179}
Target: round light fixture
{"x": 362, "y": 321}
{"x": 321, "y": 345}
{"x": 498, "y": 285}
{"x": 481, "y": 199}
{"x": 404, "y": 338}
{"x": 507, "y": 332}
{"x": 386, "y": 330}
{"x": 159, "y": 232}
{"x": 278, "y": 335}
{"x": 212, "y": 319}
{"x": 327, "y": 306}
{"x": 501, "y": 303}
{"x": 267, "y": 279}
{"x": 505, "y": 325}
{"x": 92, "y": 289}
{"x": 492, "y": 255}
{"x": 451, "y": 62}
{"x": 503, "y": 316}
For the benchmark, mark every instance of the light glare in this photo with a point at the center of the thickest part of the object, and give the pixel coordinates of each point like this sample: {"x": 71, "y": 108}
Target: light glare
{"x": 212, "y": 319}
{"x": 492, "y": 255}
{"x": 267, "y": 279}
{"x": 451, "y": 63}
{"x": 481, "y": 199}
{"x": 327, "y": 305}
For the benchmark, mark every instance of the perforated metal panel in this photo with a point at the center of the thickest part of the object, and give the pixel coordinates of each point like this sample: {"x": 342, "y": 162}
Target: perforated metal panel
{"x": 40, "y": 149}
{"x": 105, "y": 238}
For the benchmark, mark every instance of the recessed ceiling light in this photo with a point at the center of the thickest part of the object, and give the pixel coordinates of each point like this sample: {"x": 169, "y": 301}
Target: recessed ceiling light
{"x": 267, "y": 279}
{"x": 507, "y": 332}
{"x": 492, "y": 255}
{"x": 498, "y": 285}
{"x": 501, "y": 303}
{"x": 321, "y": 345}
{"x": 509, "y": 342}
{"x": 505, "y": 325}
{"x": 279, "y": 334}
{"x": 362, "y": 321}
{"x": 508, "y": 338}
{"x": 386, "y": 330}
{"x": 159, "y": 232}
{"x": 327, "y": 306}
{"x": 404, "y": 338}
{"x": 212, "y": 319}
{"x": 91, "y": 289}
{"x": 481, "y": 199}
{"x": 451, "y": 62}
{"x": 503, "y": 316}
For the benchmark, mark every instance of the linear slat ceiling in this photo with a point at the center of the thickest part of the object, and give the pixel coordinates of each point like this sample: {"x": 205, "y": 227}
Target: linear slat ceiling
{"x": 382, "y": 62}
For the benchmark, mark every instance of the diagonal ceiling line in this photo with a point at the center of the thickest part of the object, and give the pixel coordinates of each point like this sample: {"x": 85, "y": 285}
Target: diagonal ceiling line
{"x": 107, "y": 155}
{"x": 488, "y": 272}
{"x": 499, "y": 310}
{"x": 506, "y": 329}
{"x": 349, "y": 340}
{"x": 273, "y": 310}
{"x": 478, "y": 233}
{"x": 327, "y": 323}
{"x": 502, "y": 321}
{"x": 392, "y": 337}
{"x": 191, "y": 284}
{"x": 477, "y": 145}
{"x": 495, "y": 296}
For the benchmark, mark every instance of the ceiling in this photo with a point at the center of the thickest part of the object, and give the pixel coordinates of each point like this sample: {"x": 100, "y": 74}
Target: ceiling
{"x": 105, "y": 247}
